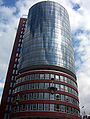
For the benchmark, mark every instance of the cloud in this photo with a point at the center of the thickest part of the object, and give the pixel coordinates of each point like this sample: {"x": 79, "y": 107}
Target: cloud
{"x": 1, "y": 85}
{"x": 80, "y": 26}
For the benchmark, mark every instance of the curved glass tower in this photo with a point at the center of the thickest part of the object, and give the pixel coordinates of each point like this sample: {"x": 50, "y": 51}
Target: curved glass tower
{"x": 46, "y": 87}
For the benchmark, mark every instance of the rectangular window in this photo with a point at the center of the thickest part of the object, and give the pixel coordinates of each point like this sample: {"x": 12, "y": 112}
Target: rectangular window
{"x": 8, "y": 99}
{"x": 41, "y": 96}
{"x": 34, "y": 95}
{"x": 62, "y": 97}
{"x": 46, "y": 107}
{"x": 57, "y": 96}
{"x": 34, "y": 106}
{"x": 52, "y": 76}
{"x": 15, "y": 59}
{"x": 66, "y": 88}
{"x": 57, "y": 86}
{"x": 46, "y": 76}
{"x": 46, "y": 85}
{"x": 19, "y": 40}
{"x": 35, "y": 85}
{"x": 41, "y": 76}
{"x": 9, "y": 91}
{"x": 32, "y": 76}
{"x": 40, "y": 106}
{"x": 13, "y": 71}
{"x": 36, "y": 76}
{"x": 23, "y": 107}
{"x": 62, "y": 108}
{"x": 6, "y": 107}
{"x": 57, "y": 77}
{"x": 61, "y": 78}
{"x": 51, "y": 107}
{"x": 28, "y": 107}
{"x": 67, "y": 98}
{"x": 62, "y": 87}
{"x": 57, "y": 107}
{"x": 46, "y": 96}
{"x": 19, "y": 45}
{"x": 5, "y": 116}
{"x": 65, "y": 79}
{"x": 51, "y": 96}
{"x": 41, "y": 85}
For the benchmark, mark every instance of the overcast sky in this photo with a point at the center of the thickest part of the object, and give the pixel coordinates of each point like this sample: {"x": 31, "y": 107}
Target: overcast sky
{"x": 79, "y": 13}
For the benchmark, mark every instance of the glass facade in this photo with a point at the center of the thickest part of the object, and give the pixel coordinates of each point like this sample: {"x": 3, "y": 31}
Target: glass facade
{"x": 51, "y": 85}
{"x": 45, "y": 107}
{"x": 47, "y": 39}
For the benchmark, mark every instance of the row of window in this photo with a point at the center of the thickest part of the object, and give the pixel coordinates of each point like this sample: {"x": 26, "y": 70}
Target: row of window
{"x": 63, "y": 54}
{"x": 50, "y": 58}
{"x": 58, "y": 47}
{"x": 40, "y": 62}
{"x": 45, "y": 96}
{"x": 46, "y": 76}
{"x": 45, "y": 107}
{"x": 31, "y": 86}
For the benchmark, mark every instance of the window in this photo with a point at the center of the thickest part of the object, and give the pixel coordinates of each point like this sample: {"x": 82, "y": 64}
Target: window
{"x": 41, "y": 85}
{"x": 8, "y": 99}
{"x": 34, "y": 106}
{"x": 46, "y": 107}
{"x": 62, "y": 97}
{"x": 57, "y": 77}
{"x": 17, "y": 49}
{"x": 12, "y": 77}
{"x": 57, "y": 107}
{"x": 66, "y": 89}
{"x": 62, "y": 108}
{"x": 46, "y": 96}
{"x": 23, "y": 107}
{"x": 46, "y": 76}
{"x": 52, "y": 76}
{"x": 16, "y": 54}
{"x": 16, "y": 59}
{"x": 65, "y": 79}
{"x": 62, "y": 87}
{"x": 36, "y": 76}
{"x": 46, "y": 85}
{"x": 61, "y": 78}
{"x": 19, "y": 40}
{"x": 6, "y": 107}
{"x": 32, "y": 76}
{"x": 11, "y": 84}
{"x": 24, "y": 21}
{"x": 35, "y": 85}
{"x": 11, "y": 99}
{"x": 41, "y": 76}
{"x": 57, "y": 97}
{"x": 19, "y": 45}
{"x": 13, "y": 71}
{"x": 9, "y": 91}
{"x": 40, "y": 106}
{"x": 5, "y": 116}
{"x": 34, "y": 95}
{"x": 51, "y": 107}
{"x": 21, "y": 32}
{"x": 28, "y": 107}
{"x": 41, "y": 96}
{"x": 14, "y": 65}
{"x": 57, "y": 86}
{"x": 51, "y": 96}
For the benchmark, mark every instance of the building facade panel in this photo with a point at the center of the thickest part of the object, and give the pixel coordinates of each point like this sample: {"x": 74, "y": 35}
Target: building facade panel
{"x": 47, "y": 40}
{"x": 45, "y": 85}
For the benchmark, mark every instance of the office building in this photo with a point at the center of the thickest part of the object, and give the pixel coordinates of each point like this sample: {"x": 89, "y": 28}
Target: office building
{"x": 45, "y": 83}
